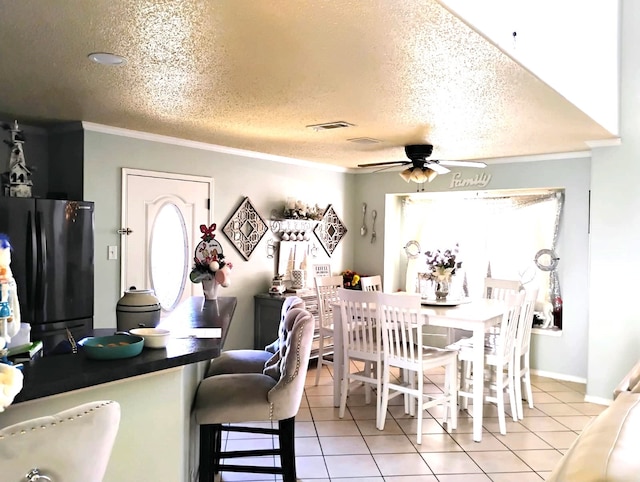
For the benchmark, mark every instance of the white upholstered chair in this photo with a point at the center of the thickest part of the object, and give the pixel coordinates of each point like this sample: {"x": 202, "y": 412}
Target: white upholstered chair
{"x": 71, "y": 446}
{"x": 362, "y": 345}
{"x": 242, "y": 398}
{"x": 371, "y": 283}
{"x": 327, "y": 291}
{"x": 401, "y": 325}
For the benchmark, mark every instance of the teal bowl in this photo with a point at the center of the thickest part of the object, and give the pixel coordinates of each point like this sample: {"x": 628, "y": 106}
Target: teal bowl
{"x": 112, "y": 347}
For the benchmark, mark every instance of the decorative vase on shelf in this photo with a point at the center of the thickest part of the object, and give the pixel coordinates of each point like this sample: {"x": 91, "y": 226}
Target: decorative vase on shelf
{"x": 442, "y": 288}
{"x": 210, "y": 289}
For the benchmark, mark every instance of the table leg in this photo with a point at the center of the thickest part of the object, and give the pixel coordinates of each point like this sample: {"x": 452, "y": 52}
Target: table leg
{"x": 478, "y": 382}
{"x": 337, "y": 356}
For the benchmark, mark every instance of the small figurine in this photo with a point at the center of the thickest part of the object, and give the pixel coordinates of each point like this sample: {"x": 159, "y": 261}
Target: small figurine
{"x": 9, "y": 304}
{"x": 19, "y": 176}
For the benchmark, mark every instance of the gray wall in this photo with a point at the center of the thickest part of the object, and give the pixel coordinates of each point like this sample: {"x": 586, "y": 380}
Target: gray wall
{"x": 266, "y": 183}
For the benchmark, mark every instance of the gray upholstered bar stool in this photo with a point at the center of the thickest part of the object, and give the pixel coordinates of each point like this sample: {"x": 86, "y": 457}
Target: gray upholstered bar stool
{"x": 252, "y": 361}
{"x": 272, "y": 396}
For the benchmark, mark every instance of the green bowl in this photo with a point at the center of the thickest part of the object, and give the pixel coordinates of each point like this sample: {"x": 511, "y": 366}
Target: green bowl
{"x": 112, "y": 347}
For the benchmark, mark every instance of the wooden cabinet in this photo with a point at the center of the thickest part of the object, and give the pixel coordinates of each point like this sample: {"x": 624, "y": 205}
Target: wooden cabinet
{"x": 267, "y": 309}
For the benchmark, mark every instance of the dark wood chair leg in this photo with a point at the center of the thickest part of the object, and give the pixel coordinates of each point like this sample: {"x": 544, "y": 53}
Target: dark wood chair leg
{"x": 286, "y": 436}
{"x": 206, "y": 453}
{"x": 217, "y": 447}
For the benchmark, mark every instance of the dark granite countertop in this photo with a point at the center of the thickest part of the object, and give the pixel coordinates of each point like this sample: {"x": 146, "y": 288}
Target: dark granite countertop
{"x": 55, "y": 374}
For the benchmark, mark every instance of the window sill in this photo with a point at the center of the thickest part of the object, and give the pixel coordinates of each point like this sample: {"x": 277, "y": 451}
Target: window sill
{"x": 546, "y": 331}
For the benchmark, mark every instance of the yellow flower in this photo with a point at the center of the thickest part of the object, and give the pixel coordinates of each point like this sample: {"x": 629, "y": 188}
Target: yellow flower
{"x": 355, "y": 280}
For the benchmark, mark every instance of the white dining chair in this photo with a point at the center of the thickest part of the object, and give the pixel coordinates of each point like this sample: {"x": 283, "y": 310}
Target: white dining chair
{"x": 402, "y": 325}
{"x": 498, "y": 289}
{"x": 327, "y": 293}
{"x": 362, "y": 346}
{"x": 521, "y": 365}
{"x": 498, "y": 359}
{"x": 371, "y": 283}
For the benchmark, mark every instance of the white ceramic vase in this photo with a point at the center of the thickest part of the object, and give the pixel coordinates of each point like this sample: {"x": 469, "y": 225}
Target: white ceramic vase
{"x": 210, "y": 289}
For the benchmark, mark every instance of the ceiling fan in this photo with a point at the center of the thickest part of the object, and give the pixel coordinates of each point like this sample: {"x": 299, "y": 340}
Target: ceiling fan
{"x": 423, "y": 169}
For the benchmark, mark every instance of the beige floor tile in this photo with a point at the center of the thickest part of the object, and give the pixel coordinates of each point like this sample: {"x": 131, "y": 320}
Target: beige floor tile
{"x": 401, "y": 464}
{"x": 544, "y": 397}
{"x": 576, "y": 387}
{"x": 558, "y": 440}
{"x": 320, "y": 401}
{"x": 411, "y": 478}
{"x": 576, "y": 422}
{"x": 250, "y": 444}
{"x": 451, "y": 463}
{"x": 464, "y": 478}
{"x": 499, "y": 462}
{"x": 465, "y": 425}
{"x": 308, "y": 446}
{"x": 304, "y": 415}
{"x": 492, "y": 425}
{"x": 354, "y": 445}
{"x": 328, "y": 413}
{"x": 312, "y": 467}
{"x": 519, "y": 476}
{"x": 245, "y": 477}
{"x": 336, "y": 428}
{"x": 346, "y": 466}
{"x": 544, "y": 474}
{"x": 542, "y": 424}
{"x": 557, "y": 409}
{"x": 314, "y": 391}
{"x": 367, "y": 412}
{"x": 540, "y": 459}
{"x": 489, "y": 442}
{"x": 305, "y": 429}
{"x": 389, "y": 444}
{"x": 588, "y": 408}
{"x": 368, "y": 427}
{"x": 569, "y": 396}
{"x": 548, "y": 385}
{"x": 429, "y": 425}
{"x": 436, "y": 442}
{"x": 523, "y": 441}
{"x": 360, "y": 479}
{"x": 533, "y": 412}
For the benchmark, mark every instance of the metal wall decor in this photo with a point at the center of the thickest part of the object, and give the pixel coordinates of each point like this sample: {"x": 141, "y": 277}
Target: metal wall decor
{"x": 330, "y": 230}
{"x": 245, "y": 228}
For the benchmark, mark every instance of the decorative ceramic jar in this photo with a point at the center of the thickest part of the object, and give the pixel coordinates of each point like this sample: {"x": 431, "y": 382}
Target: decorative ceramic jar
{"x": 137, "y": 308}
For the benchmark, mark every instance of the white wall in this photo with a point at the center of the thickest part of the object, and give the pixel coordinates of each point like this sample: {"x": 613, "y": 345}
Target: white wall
{"x": 266, "y": 183}
{"x": 565, "y": 355}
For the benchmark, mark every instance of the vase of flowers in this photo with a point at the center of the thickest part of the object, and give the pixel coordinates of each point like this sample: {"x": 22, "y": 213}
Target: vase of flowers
{"x": 442, "y": 266}
{"x": 210, "y": 268}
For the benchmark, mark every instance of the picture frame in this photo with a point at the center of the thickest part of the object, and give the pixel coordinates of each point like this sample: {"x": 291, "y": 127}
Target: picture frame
{"x": 245, "y": 228}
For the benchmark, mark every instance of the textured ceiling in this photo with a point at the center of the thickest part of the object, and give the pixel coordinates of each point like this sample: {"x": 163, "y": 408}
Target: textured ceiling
{"x": 251, "y": 74}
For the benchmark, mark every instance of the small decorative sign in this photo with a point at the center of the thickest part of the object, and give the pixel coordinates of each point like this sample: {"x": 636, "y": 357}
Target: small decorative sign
{"x": 479, "y": 180}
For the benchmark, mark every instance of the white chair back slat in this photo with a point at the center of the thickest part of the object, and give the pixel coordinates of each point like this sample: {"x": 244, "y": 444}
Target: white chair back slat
{"x": 327, "y": 292}
{"x": 498, "y": 289}
{"x": 360, "y": 331}
{"x": 371, "y": 283}
{"x": 523, "y": 336}
{"x": 506, "y": 338}
{"x": 401, "y": 328}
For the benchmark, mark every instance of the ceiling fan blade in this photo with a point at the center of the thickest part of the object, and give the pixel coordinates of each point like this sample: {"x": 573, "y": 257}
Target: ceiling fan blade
{"x": 463, "y": 163}
{"x": 387, "y": 163}
{"x": 436, "y": 166}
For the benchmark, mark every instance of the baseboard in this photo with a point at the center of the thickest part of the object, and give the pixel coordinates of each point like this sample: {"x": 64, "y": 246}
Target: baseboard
{"x": 558, "y": 376}
{"x": 598, "y": 400}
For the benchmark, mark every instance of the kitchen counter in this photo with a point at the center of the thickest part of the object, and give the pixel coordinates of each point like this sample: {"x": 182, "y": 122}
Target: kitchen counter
{"x": 155, "y": 391}
{"x": 55, "y": 374}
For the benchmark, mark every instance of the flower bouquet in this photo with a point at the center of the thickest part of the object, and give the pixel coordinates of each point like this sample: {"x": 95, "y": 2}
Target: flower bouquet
{"x": 350, "y": 280}
{"x": 210, "y": 267}
{"x": 442, "y": 266}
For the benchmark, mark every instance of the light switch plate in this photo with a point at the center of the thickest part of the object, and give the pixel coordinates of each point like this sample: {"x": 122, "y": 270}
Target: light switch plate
{"x": 112, "y": 252}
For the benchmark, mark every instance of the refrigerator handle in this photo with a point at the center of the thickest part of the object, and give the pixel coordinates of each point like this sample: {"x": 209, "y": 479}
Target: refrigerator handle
{"x": 32, "y": 263}
{"x": 41, "y": 269}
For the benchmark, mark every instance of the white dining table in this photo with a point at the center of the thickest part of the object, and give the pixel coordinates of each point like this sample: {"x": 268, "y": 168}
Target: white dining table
{"x": 476, "y": 316}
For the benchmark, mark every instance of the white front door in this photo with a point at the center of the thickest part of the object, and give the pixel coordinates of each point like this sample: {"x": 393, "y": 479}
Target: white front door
{"x": 162, "y": 214}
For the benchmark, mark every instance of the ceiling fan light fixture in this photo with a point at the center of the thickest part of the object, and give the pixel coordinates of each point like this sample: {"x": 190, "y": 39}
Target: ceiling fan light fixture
{"x": 418, "y": 175}
{"x": 106, "y": 58}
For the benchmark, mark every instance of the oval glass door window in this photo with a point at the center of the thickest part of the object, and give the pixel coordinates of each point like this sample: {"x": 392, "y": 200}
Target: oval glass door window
{"x": 168, "y": 253}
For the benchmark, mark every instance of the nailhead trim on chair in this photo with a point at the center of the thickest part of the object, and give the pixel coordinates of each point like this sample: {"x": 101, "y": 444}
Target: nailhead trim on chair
{"x": 52, "y": 424}
{"x": 295, "y": 373}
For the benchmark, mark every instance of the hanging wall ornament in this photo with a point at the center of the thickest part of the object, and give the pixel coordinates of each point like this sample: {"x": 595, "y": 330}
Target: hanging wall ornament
{"x": 330, "y": 230}
{"x": 547, "y": 260}
{"x": 245, "y": 228}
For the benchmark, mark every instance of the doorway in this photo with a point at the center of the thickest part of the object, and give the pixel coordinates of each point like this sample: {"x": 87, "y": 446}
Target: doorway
{"x": 161, "y": 216}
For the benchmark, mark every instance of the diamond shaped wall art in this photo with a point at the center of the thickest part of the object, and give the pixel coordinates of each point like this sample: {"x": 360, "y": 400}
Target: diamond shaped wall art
{"x": 330, "y": 230}
{"x": 245, "y": 228}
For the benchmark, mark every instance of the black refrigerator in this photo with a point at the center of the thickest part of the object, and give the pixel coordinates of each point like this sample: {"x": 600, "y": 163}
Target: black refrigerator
{"x": 52, "y": 259}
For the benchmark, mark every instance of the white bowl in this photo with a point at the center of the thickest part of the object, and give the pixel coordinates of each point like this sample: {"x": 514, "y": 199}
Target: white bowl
{"x": 153, "y": 337}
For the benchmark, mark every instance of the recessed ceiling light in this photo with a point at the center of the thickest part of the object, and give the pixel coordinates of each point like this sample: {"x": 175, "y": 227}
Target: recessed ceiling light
{"x": 106, "y": 58}
{"x": 330, "y": 125}
{"x": 364, "y": 140}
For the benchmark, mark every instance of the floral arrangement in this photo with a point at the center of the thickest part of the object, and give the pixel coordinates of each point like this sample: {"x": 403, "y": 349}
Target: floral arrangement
{"x": 350, "y": 279}
{"x": 299, "y": 210}
{"x": 209, "y": 262}
{"x": 443, "y": 265}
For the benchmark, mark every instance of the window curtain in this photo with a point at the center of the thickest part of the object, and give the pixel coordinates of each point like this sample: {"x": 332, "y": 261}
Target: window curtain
{"x": 497, "y": 235}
